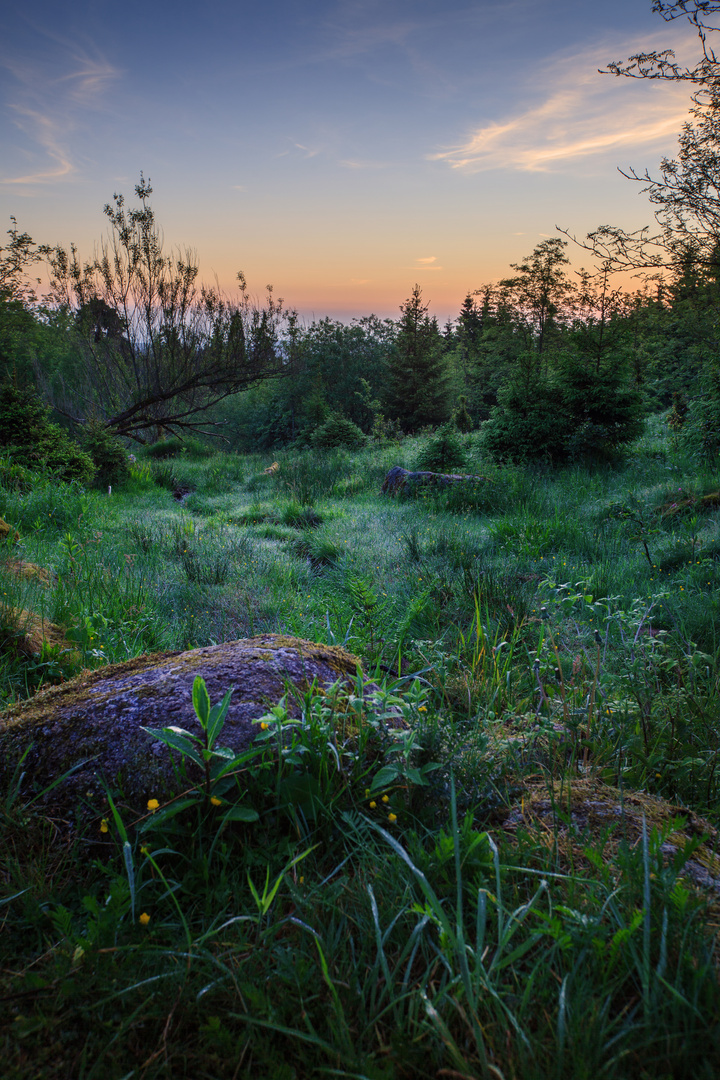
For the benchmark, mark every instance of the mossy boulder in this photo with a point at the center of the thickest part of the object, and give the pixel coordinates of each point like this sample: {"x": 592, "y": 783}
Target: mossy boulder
{"x": 582, "y": 818}
{"x": 401, "y": 481}
{"x": 98, "y": 717}
{"x": 26, "y": 632}
{"x": 7, "y": 532}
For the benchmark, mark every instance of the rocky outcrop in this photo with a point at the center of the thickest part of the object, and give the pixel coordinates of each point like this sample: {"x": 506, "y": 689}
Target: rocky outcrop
{"x": 97, "y": 718}
{"x": 401, "y": 481}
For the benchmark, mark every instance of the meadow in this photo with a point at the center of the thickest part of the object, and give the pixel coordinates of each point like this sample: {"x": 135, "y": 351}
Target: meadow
{"x": 522, "y": 884}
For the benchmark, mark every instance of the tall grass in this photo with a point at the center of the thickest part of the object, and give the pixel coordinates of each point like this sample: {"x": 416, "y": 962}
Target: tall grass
{"x": 440, "y": 902}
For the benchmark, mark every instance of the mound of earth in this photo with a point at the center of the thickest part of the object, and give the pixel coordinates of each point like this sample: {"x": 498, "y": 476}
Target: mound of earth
{"x": 575, "y": 817}
{"x": 97, "y": 718}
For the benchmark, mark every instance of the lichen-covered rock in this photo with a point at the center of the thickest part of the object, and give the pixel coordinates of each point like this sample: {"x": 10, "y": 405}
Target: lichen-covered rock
{"x": 99, "y": 715}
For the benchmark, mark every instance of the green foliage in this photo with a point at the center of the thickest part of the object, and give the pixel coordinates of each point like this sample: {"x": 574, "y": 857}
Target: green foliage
{"x": 700, "y": 432}
{"x": 605, "y": 412}
{"x": 337, "y": 431}
{"x": 215, "y": 764}
{"x": 526, "y": 425}
{"x": 374, "y": 883}
{"x": 108, "y": 454}
{"x": 577, "y": 414}
{"x": 14, "y": 476}
{"x": 461, "y": 418}
{"x": 416, "y": 371}
{"x": 27, "y": 433}
{"x": 175, "y": 447}
{"x": 444, "y": 452}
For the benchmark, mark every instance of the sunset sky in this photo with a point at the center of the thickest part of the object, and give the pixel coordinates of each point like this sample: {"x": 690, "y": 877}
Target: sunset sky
{"x": 341, "y": 149}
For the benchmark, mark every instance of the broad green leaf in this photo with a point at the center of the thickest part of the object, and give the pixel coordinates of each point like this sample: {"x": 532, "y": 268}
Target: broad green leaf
{"x": 241, "y": 813}
{"x": 387, "y": 775}
{"x": 201, "y": 701}
{"x": 178, "y": 742}
{"x": 167, "y": 813}
{"x": 217, "y": 718}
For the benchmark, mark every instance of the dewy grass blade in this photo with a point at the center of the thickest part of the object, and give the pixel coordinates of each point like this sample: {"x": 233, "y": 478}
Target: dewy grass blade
{"x": 130, "y": 871}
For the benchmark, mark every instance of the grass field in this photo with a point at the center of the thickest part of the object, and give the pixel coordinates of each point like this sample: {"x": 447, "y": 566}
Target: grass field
{"x": 523, "y": 885}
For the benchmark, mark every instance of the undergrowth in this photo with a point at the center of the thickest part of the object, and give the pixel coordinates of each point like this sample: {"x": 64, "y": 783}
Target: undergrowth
{"x": 356, "y": 898}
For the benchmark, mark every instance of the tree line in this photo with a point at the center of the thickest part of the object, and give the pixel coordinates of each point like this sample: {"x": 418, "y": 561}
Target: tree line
{"x": 548, "y": 363}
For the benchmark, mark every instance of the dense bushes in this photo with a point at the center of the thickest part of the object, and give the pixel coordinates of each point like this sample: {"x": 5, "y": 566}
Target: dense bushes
{"x": 700, "y": 428}
{"x": 28, "y": 436}
{"x": 576, "y": 414}
{"x": 444, "y": 452}
{"x": 337, "y": 431}
{"x": 108, "y": 454}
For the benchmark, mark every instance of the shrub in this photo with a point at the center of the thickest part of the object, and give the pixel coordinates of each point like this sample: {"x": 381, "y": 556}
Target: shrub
{"x": 605, "y": 412}
{"x": 108, "y": 455}
{"x": 27, "y": 434}
{"x": 444, "y": 452}
{"x": 14, "y": 476}
{"x": 461, "y": 417}
{"x": 337, "y": 431}
{"x": 700, "y": 432}
{"x": 173, "y": 447}
{"x": 578, "y": 414}
{"x": 525, "y": 426}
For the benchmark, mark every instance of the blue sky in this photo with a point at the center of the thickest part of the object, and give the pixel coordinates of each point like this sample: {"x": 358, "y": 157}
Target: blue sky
{"x": 340, "y": 149}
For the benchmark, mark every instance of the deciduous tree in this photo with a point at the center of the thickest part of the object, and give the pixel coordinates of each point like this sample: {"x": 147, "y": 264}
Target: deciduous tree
{"x": 156, "y": 347}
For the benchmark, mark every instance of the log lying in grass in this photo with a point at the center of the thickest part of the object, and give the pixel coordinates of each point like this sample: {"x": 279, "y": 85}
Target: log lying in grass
{"x": 400, "y": 480}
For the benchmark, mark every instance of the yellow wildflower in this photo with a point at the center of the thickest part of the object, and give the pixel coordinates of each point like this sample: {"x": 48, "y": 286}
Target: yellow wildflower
{"x": 153, "y": 805}
{"x": 144, "y": 919}
{"x": 104, "y": 827}
{"x": 264, "y": 726}
{"x": 386, "y": 798}
{"x": 215, "y": 801}
{"x": 392, "y": 818}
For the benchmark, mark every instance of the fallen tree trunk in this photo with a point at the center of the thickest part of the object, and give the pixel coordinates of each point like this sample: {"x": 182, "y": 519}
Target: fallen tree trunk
{"x": 399, "y": 480}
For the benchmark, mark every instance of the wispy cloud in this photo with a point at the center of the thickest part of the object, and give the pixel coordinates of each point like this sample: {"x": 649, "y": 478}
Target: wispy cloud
{"x": 353, "y": 163}
{"x": 581, "y": 114}
{"x": 424, "y": 262}
{"x": 51, "y": 99}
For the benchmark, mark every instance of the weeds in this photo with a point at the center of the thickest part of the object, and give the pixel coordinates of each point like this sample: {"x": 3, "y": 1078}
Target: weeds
{"x": 406, "y": 876}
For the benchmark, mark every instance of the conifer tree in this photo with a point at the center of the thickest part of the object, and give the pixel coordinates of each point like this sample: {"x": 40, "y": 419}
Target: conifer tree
{"x": 417, "y": 373}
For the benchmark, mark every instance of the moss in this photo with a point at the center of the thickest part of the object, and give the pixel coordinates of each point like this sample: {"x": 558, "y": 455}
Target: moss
{"x": 6, "y": 530}
{"x": 94, "y": 723}
{"x": 580, "y": 816}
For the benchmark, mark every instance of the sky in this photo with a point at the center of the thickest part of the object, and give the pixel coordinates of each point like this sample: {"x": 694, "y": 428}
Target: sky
{"x": 340, "y": 150}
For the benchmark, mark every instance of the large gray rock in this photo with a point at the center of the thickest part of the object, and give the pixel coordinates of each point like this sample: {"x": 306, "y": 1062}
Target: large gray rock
{"x": 100, "y": 714}
{"x": 401, "y": 481}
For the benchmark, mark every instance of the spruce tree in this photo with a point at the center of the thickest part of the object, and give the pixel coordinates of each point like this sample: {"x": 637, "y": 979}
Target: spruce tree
{"x": 417, "y": 373}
